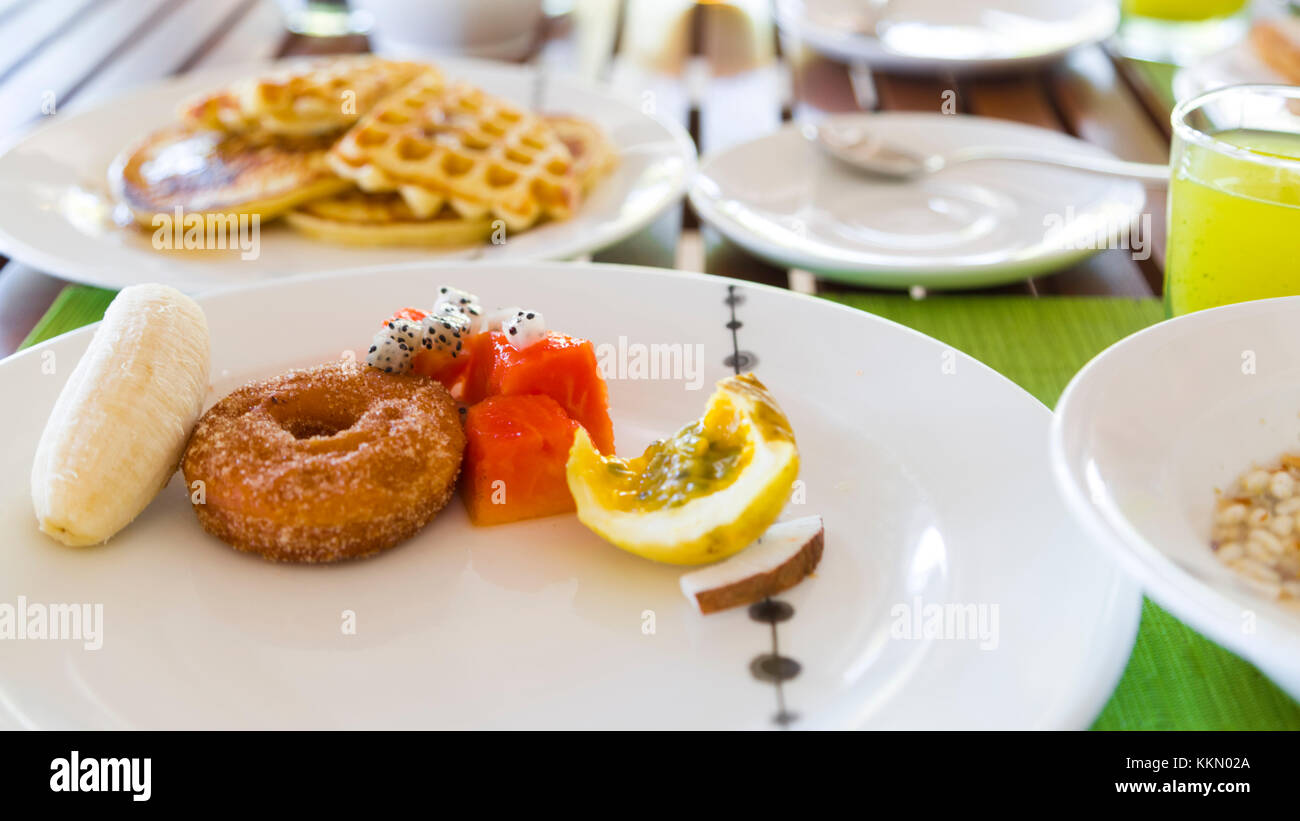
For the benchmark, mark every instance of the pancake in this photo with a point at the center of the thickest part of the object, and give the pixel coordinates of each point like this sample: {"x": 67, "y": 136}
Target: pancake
{"x": 207, "y": 171}
{"x": 258, "y": 145}
{"x": 361, "y": 218}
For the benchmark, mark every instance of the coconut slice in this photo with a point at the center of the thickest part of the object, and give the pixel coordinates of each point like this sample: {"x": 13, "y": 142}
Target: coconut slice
{"x": 782, "y": 556}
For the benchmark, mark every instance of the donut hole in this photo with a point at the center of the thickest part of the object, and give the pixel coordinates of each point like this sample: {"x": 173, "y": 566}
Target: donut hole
{"x": 314, "y": 420}
{"x": 315, "y": 428}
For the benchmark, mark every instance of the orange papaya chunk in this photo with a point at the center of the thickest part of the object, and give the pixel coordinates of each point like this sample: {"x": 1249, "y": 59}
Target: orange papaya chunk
{"x": 559, "y": 366}
{"x": 515, "y": 456}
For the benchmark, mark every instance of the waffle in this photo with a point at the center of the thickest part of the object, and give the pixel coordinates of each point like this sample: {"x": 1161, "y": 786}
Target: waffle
{"x": 358, "y": 218}
{"x": 593, "y": 154}
{"x": 306, "y": 99}
{"x": 441, "y": 145}
{"x": 212, "y": 172}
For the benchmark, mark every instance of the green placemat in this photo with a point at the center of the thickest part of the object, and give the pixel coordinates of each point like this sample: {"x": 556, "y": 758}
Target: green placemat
{"x": 1176, "y": 679}
{"x": 76, "y": 305}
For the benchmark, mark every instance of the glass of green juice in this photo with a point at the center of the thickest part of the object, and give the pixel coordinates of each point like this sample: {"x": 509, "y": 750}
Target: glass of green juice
{"x": 1234, "y": 198}
{"x": 1180, "y": 31}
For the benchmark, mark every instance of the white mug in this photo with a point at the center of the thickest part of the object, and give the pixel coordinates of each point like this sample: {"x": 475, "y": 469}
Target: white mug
{"x": 492, "y": 29}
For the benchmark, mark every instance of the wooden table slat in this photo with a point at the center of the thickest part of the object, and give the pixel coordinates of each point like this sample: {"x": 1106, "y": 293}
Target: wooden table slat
{"x": 254, "y": 37}
{"x": 655, "y": 80}
{"x": 163, "y": 50}
{"x": 64, "y": 64}
{"x": 1152, "y": 85}
{"x": 741, "y": 100}
{"x": 298, "y": 45}
{"x": 821, "y": 86}
{"x": 12, "y": 7}
{"x": 582, "y": 42}
{"x": 30, "y": 28}
{"x": 25, "y": 293}
{"x": 1022, "y": 98}
{"x": 901, "y": 92}
{"x": 1097, "y": 107}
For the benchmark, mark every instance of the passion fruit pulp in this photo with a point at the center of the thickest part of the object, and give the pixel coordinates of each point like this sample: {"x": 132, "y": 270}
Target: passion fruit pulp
{"x": 700, "y": 495}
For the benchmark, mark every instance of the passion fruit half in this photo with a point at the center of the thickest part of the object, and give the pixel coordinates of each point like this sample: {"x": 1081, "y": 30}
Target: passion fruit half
{"x": 701, "y": 495}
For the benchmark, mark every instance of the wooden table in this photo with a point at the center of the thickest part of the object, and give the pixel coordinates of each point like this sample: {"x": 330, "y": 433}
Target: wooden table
{"x": 721, "y": 69}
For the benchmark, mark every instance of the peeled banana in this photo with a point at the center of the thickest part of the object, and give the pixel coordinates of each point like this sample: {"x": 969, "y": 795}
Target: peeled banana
{"x": 118, "y": 429}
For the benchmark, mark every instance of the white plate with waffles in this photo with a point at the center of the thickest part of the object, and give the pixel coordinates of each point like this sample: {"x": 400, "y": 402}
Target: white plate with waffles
{"x": 58, "y": 213}
{"x": 928, "y": 469}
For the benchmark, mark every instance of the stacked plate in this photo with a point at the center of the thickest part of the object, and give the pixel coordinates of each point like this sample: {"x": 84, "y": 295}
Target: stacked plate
{"x": 937, "y": 36}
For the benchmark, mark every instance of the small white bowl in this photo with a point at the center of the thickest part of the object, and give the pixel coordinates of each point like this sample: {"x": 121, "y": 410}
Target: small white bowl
{"x": 1145, "y": 434}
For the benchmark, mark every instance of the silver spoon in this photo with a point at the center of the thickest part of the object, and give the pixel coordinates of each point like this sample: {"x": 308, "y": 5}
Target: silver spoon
{"x": 857, "y": 147}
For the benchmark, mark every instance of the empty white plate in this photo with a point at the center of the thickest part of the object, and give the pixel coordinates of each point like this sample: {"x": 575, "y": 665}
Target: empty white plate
{"x": 928, "y": 468}
{"x": 948, "y": 35}
{"x": 56, "y": 214}
{"x": 971, "y": 225}
{"x": 1147, "y": 432}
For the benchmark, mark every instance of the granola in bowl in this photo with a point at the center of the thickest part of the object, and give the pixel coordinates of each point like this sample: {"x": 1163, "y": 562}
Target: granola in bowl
{"x": 1257, "y": 528}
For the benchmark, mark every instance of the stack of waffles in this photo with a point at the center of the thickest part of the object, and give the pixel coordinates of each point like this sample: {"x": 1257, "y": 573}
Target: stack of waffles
{"x": 365, "y": 151}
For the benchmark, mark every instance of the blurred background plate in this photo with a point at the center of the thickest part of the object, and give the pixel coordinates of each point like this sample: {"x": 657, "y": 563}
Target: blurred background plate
{"x": 948, "y": 35}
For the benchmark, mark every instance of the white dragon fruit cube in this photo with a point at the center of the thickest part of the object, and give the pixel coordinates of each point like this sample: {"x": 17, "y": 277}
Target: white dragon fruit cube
{"x": 445, "y": 332}
{"x": 473, "y": 316}
{"x": 389, "y": 352}
{"x": 500, "y": 316}
{"x": 525, "y": 328}
{"x": 404, "y": 331}
{"x": 463, "y": 302}
{"x": 455, "y": 295}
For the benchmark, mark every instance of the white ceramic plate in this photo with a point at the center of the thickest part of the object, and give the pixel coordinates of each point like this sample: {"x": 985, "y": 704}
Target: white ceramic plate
{"x": 1150, "y": 428}
{"x": 55, "y": 211}
{"x": 1235, "y": 65}
{"x": 928, "y": 468}
{"x": 971, "y": 225}
{"x": 948, "y": 35}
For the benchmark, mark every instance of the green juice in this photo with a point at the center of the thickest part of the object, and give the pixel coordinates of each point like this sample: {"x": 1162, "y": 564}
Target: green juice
{"x": 1234, "y": 223}
{"x": 1183, "y": 10}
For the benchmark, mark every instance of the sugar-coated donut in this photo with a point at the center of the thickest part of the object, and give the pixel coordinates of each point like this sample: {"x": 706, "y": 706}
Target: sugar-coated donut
{"x": 327, "y": 463}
